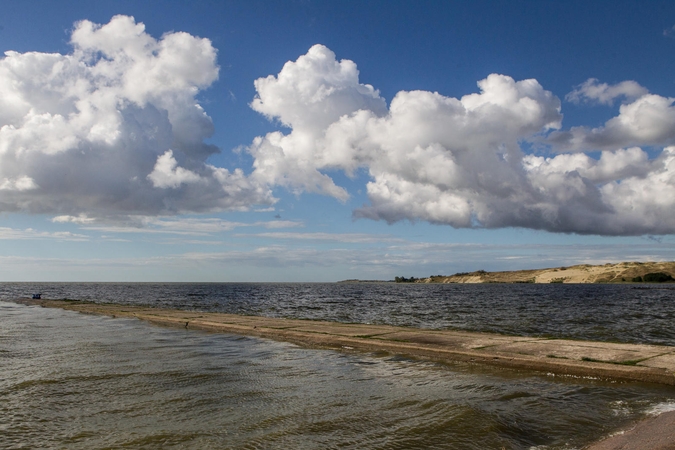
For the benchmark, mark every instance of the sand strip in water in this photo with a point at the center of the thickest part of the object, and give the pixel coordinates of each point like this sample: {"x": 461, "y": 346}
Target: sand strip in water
{"x": 560, "y": 357}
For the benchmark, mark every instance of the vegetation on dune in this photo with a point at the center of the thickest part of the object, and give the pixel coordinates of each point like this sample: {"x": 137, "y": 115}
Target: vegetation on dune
{"x": 656, "y": 277}
{"x": 405, "y": 280}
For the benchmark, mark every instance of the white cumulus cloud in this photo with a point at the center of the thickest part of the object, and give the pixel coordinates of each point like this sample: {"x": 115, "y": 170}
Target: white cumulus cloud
{"x": 649, "y": 120}
{"x": 167, "y": 174}
{"x": 113, "y": 128}
{"x": 593, "y": 91}
{"x": 465, "y": 161}
{"x": 308, "y": 95}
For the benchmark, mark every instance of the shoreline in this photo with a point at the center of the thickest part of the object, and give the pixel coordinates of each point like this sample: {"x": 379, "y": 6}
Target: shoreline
{"x": 651, "y": 433}
{"x": 560, "y": 357}
{"x": 614, "y": 273}
{"x": 557, "y": 357}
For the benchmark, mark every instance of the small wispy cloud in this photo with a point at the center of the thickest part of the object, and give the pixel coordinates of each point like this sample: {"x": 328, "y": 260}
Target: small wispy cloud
{"x": 361, "y": 238}
{"x": 179, "y": 241}
{"x": 181, "y": 226}
{"x": 81, "y": 219}
{"x": 31, "y": 234}
{"x": 593, "y": 91}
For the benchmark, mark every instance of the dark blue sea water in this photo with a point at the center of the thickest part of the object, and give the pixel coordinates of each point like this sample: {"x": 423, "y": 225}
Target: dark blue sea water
{"x": 73, "y": 381}
{"x": 610, "y": 312}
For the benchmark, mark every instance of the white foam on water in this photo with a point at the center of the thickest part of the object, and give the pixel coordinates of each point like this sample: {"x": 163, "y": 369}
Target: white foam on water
{"x": 661, "y": 408}
{"x": 621, "y": 408}
{"x": 547, "y": 447}
{"x": 579, "y": 377}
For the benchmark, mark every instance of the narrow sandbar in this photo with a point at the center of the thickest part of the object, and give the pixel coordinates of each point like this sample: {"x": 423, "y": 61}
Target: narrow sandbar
{"x": 559, "y": 357}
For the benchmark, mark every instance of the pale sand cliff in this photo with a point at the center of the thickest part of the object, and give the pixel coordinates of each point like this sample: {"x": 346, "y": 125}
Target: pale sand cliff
{"x": 583, "y": 273}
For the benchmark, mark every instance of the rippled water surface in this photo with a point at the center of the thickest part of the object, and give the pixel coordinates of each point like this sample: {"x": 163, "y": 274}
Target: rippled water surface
{"x": 625, "y": 313}
{"x": 69, "y": 380}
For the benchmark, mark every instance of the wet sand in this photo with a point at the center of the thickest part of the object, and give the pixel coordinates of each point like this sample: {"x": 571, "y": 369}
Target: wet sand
{"x": 559, "y": 357}
{"x": 653, "y": 433}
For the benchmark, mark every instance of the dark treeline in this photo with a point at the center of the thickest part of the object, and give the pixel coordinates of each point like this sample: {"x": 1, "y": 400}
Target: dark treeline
{"x": 405, "y": 280}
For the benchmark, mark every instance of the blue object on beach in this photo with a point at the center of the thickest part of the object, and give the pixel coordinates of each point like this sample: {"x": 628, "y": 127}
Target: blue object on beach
{"x": 37, "y": 296}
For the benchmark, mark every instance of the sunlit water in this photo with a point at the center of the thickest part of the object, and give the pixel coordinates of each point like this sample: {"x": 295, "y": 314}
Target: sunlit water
{"x": 69, "y": 380}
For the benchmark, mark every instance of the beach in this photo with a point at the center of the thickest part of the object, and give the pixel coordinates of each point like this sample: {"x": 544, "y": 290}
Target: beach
{"x": 653, "y": 433}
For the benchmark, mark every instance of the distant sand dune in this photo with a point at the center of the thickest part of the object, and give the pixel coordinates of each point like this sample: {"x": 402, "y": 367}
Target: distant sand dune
{"x": 584, "y": 273}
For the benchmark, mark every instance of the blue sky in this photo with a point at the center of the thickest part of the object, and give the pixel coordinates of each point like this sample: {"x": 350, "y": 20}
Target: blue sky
{"x": 385, "y": 138}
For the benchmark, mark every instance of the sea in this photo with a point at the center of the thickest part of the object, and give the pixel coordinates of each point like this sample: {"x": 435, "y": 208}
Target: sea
{"x": 74, "y": 381}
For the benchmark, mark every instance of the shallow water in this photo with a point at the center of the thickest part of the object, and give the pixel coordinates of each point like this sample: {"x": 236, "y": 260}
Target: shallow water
{"x": 69, "y": 380}
{"x": 624, "y": 313}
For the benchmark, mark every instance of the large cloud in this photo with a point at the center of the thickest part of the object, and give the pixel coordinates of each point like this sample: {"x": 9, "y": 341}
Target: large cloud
{"x": 462, "y": 161}
{"x": 309, "y": 95}
{"x": 113, "y": 128}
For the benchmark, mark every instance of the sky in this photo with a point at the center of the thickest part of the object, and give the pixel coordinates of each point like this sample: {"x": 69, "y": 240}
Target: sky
{"x": 224, "y": 141}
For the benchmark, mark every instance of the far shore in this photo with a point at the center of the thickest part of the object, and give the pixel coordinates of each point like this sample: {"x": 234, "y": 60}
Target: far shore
{"x": 623, "y": 272}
